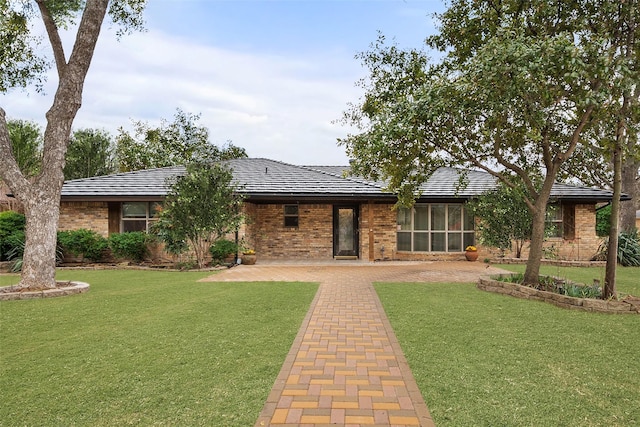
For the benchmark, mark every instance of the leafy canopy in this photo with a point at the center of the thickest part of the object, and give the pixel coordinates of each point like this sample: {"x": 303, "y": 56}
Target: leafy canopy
{"x": 180, "y": 142}
{"x": 202, "y": 206}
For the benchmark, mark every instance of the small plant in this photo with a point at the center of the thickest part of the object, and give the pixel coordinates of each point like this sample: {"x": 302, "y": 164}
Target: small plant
{"x": 577, "y": 291}
{"x": 222, "y": 248}
{"x": 82, "y": 242}
{"x": 249, "y": 252}
{"x": 509, "y": 278}
{"x": 131, "y": 246}
{"x": 470, "y": 248}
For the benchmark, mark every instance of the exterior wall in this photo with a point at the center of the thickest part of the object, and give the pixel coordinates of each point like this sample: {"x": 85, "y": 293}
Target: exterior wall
{"x": 90, "y": 215}
{"x": 377, "y": 231}
{"x": 581, "y": 248}
{"x": 313, "y": 238}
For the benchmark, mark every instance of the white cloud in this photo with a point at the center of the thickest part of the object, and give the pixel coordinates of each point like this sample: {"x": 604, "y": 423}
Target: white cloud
{"x": 274, "y": 106}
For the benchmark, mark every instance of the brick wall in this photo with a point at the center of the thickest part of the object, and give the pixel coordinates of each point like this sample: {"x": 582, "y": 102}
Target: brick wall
{"x": 585, "y": 244}
{"x": 89, "y": 215}
{"x": 313, "y": 238}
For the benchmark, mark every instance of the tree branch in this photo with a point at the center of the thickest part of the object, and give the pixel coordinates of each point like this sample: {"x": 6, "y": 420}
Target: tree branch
{"x": 54, "y": 37}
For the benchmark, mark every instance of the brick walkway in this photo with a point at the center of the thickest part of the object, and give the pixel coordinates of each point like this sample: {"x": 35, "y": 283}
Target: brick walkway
{"x": 345, "y": 366}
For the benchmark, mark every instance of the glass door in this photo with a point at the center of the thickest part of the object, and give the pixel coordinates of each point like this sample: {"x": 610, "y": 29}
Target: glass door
{"x": 345, "y": 231}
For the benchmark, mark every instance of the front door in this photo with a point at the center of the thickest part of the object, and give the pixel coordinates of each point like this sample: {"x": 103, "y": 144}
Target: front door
{"x": 345, "y": 231}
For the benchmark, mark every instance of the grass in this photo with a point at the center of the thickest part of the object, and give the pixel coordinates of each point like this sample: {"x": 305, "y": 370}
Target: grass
{"x": 627, "y": 278}
{"x": 146, "y": 348}
{"x": 485, "y": 359}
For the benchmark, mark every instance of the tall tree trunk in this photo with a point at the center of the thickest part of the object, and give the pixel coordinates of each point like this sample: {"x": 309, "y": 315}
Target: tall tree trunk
{"x": 532, "y": 271}
{"x": 612, "y": 247}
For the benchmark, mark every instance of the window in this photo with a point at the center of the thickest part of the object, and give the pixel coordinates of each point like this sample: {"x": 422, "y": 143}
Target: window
{"x": 561, "y": 221}
{"x": 290, "y": 215}
{"x": 553, "y": 226}
{"x": 137, "y": 216}
{"x": 437, "y": 227}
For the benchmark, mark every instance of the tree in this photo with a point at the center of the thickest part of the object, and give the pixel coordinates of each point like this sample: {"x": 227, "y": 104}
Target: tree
{"x": 90, "y": 153}
{"x": 177, "y": 143}
{"x": 26, "y": 145}
{"x": 504, "y": 218}
{"x": 520, "y": 85}
{"x": 41, "y": 195}
{"x": 202, "y": 206}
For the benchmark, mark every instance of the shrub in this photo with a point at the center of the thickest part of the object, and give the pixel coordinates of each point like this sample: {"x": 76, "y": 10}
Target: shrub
{"x": 131, "y": 246}
{"x": 222, "y": 248}
{"x": 83, "y": 242}
{"x": 628, "y": 249}
{"x": 11, "y": 234}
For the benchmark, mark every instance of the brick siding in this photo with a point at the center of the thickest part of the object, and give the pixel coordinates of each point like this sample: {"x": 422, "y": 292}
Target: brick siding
{"x": 89, "y": 215}
{"x": 313, "y": 238}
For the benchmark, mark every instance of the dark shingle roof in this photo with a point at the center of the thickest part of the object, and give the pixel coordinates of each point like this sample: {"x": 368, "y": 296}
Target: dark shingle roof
{"x": 150, "y": 182}
{"x": 264, "y": 178}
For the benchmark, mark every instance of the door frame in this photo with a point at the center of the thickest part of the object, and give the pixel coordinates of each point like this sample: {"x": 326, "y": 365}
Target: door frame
{"x": 356, "y": 230}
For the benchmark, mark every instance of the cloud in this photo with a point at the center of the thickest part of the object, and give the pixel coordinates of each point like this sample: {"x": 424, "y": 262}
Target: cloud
{"x": 277, "y": 106}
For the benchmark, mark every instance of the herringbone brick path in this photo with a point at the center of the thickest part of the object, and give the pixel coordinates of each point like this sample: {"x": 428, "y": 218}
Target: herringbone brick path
{"x": 345, "y": 368}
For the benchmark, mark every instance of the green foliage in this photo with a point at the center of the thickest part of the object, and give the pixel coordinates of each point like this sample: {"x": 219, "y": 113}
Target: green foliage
{"x": 222, "y": 248}
{"x": 504, "y": 218}
{"x": 82, "y": 242}
{"x": 603, "y": 221}
{"x": 628, "y": 249}
{"x": 26, "y": 145}
{"x": 178, "y": 143}
{"x": 132, "y": 246}
{"x": 11, "y": 234}
{"x": 90, "y": 153}
{"x": 201, "y": 207}
{"x": 520, "y": 85}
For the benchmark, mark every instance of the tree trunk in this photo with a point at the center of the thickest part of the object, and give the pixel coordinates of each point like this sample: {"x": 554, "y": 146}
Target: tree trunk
{"x": 612, "y": 247}
{"x": 42, "y": 213}
{"x": 532, "y": 271}
{"x": 630, "y": 186}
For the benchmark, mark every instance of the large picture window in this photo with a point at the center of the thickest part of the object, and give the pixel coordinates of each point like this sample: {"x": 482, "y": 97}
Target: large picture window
{"x": 437, "y": 227}
{"x": 138, "y": 216}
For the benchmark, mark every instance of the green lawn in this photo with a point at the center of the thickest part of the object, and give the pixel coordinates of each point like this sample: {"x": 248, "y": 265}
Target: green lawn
{"x": 483, "y": 359}
{"x": 627, "y": 278}
{"x": 146, "y": 348}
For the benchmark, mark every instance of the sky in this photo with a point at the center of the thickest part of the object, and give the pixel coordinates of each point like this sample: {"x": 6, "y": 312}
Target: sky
{"x": 271, "y": 76}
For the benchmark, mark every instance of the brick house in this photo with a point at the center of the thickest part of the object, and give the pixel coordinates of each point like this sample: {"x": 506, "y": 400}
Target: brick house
{"x": 314, "y": 212}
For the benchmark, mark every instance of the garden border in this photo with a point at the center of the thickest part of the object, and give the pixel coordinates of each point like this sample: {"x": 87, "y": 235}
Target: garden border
{"x": 628, "y": 305}
{"x": 63, "y": 289}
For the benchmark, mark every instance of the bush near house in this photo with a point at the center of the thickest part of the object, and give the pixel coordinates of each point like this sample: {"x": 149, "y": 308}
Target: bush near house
{"x": 221, "y": 249}
{"x": 131, "y": 245}
{"x": 84, "y": 243}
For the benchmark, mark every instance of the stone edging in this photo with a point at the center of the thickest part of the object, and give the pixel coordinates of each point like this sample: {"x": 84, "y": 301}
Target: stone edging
{"x": 554, "y": 262}
{"x": 73, "y": 288}
{"x": 626, "y": 306}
